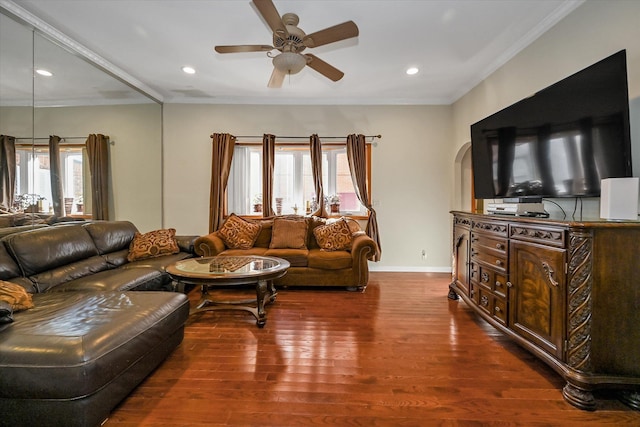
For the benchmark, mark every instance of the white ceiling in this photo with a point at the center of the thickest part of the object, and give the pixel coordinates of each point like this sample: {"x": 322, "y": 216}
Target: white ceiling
{"x": 455, "y": 44}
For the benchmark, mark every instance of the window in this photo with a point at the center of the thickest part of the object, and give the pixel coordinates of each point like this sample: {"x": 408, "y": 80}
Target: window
{"x": 293, "y": 187}
{"x": 33, "y": 175}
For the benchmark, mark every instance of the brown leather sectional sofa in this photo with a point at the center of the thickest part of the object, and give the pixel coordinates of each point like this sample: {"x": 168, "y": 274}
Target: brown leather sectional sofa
{"x": 310, "y": 265}
{"x": 91, "y": 337}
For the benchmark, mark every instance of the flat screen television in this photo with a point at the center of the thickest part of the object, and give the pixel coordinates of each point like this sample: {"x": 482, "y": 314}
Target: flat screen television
{"x": 559, "y": 142}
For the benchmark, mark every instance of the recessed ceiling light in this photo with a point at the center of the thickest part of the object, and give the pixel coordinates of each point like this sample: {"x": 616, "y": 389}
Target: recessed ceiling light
{"x": 412, "y": 70}
{"x": 44, "y": 72}
{"x": 188, "y": 70}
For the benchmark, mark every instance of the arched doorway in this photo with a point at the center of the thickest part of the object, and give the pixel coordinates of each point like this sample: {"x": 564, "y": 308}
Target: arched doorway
{"x": 463, "y": 199}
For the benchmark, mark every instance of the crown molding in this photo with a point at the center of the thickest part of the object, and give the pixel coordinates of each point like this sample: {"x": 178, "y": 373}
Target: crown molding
{"x": 552, "y": 19}
{"x": 77, "y": 49}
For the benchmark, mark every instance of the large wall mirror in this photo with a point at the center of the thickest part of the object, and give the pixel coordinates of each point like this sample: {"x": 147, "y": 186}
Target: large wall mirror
{"x": 76, "y": 100}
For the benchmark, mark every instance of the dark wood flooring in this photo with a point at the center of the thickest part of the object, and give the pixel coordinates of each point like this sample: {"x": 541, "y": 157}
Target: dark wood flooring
{"x": 399, "y": 354}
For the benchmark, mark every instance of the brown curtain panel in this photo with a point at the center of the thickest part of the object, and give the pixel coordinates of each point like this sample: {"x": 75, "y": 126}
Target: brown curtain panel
{"x": 356, "y": 154}
{"x": 55, "y": 172}
{"x": 7, "y": 171}
{"x": 316, "y": 169}
{"x": 222, "y": 145}
{"x": 268, "y": 164}
{"x": 98, "y": 155}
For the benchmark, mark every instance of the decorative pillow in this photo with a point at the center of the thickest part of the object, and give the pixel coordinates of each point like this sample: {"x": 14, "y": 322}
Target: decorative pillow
{"x": 153, "y": 244}
{"x": 334, "y": 237}
{"x": 288, "y": 234}
{"x": 237, "y": 233}
{"x": 15, "y": 295}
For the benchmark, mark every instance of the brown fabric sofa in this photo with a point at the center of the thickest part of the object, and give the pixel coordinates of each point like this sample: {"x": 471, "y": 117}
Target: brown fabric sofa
{"x": 310, "y": 265}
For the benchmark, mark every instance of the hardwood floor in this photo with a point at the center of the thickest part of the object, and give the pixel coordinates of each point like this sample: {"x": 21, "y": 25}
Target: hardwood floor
{"x": 399, "y": 354}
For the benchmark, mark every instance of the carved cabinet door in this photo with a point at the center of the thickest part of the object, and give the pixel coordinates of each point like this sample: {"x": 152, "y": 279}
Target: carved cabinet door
{"x": 461, "y": 259}
{"x": 537, "y": 295}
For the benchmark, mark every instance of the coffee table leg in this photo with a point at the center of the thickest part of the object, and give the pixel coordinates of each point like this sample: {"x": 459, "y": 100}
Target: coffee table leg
{"x": 262, "y": 293}
{"x": 272, "y": 291}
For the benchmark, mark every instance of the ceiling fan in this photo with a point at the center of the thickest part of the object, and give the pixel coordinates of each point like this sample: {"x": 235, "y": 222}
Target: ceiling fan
{"x": 291, "y": 41}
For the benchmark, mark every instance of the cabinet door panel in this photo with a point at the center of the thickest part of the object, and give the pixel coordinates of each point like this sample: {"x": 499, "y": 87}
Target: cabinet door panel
{"x": 537, "y": 295}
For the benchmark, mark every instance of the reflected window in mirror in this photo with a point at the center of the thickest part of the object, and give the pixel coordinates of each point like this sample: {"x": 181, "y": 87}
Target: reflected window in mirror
{"x": 33, "y": 177}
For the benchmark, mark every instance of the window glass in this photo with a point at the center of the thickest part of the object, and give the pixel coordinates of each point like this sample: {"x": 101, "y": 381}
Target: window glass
{"x": 293, "y": 189}
{"x": 33, "y": 176}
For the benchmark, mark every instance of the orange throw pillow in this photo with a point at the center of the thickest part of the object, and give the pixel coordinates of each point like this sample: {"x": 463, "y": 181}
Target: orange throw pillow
{"x": 153, "y": 244}
{"x": 15, "y": 295}
{"x": 237, "y": 233}
{"x": 335, "y": 236}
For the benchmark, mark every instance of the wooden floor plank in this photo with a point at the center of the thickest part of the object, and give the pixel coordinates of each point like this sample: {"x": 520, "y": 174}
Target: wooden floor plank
{"x": 399, "y": 354}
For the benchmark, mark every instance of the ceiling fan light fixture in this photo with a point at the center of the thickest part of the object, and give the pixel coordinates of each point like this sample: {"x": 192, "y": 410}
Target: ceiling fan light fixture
{"x": 289, "y": 62}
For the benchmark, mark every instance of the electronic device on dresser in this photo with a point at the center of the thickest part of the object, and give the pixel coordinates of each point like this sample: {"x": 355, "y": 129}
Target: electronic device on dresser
{"x": 559, "y": 142}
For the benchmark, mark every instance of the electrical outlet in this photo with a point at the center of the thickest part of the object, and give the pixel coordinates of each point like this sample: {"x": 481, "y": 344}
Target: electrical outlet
{"x": 424, "y": 255}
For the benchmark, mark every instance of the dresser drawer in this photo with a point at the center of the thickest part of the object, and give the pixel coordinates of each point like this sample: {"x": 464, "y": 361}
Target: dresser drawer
{"x": 500, "y": 310}
{"x": 490, "y": 279}
{"x": 490, "y": 303}
{"x": 497, "y": 261}
{"x": 483, "y": 243}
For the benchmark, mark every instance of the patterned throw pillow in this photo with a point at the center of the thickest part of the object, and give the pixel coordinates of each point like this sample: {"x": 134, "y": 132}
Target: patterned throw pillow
{"x": 237, "y": 233}
{"x": 15, "y": 295}
{"x": 153, "y": 244}
{"x": 289, "y": 234}
{"x": 335, "y": 236}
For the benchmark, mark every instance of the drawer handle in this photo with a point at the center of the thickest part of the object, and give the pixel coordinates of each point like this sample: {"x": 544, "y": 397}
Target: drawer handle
{"x": 498, "y": 284}
{"x": 497, "y": 309}
{"x": 499, "y": 246}
{"x": 472, "y": 293}
{"x": 509, "y": 284}
{"x": 498, "y": 262}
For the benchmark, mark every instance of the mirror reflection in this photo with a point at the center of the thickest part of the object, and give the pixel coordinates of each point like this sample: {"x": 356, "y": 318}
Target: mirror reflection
{"x": 51, "y": 101}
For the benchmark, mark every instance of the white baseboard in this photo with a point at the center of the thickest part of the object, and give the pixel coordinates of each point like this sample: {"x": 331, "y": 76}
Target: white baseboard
{"x": 408, "y": 269}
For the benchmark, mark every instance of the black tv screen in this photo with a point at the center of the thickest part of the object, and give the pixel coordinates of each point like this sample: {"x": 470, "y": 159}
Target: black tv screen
{"x": 559, "y": 142}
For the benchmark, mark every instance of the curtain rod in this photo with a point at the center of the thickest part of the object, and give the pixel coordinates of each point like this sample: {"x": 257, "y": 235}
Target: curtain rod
{"x": 62, "y": 137}
{"x": 372, "y": 137}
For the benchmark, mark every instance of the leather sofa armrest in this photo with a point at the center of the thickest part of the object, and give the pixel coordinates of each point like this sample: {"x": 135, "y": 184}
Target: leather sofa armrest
{"x": 187, "y": 243}
{"x": 363, "y": 248}
{"x": 209, "y": 245}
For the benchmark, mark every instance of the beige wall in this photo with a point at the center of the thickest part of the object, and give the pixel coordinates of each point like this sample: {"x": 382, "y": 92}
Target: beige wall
{"x": 592, "y": 32}
{"x": 415, "y": 177}
{"x": 410, "y": 179}
{"x": 136, "y": 170}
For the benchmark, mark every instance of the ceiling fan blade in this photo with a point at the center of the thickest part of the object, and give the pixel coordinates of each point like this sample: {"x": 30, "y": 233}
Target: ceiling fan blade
{"x": 243, "y": 48}
{"x": 277, "y": 77}
{"x": 329, "y": 71}
{"x": 343, "y": 31}
{"x": 270, "y": 14}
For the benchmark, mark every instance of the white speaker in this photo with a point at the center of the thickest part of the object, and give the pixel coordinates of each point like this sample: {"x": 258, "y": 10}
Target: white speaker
{"x": 619, "y": 198}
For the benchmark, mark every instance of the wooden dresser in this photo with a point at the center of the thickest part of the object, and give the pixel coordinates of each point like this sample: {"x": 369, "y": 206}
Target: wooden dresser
{"x": 568, "y": 291}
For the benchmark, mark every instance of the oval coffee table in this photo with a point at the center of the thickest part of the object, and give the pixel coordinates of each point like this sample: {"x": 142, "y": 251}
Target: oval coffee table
{"x": 231, "y": 271}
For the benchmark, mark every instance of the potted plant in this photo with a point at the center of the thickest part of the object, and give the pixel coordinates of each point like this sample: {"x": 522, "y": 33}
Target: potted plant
{"x": 28, "y": 202}
{"x": 257, "y": 203}
{"x": 334, "y": 203}
{"x": 79, "y": 205}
